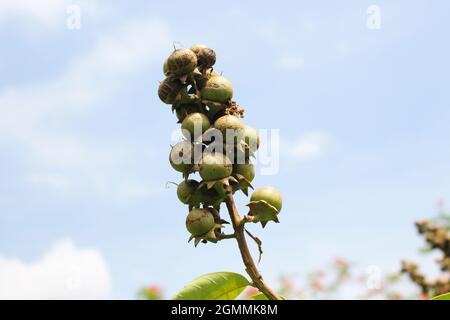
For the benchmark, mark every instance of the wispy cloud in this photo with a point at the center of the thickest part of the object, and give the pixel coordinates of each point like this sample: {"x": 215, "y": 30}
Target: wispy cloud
{"x": 308, "y": 146}
{"x": 64, "y": 272}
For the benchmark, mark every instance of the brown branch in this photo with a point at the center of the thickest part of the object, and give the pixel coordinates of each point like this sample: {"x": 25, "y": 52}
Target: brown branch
{"x": 226, "y": 236}
{"x": 250, "y": 266}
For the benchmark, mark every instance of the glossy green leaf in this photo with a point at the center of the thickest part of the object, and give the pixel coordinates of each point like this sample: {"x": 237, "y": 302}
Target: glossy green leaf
{"x": 259, "y": 296}
{"x": 443, "y": 297}
{"x": 214, "y": 286}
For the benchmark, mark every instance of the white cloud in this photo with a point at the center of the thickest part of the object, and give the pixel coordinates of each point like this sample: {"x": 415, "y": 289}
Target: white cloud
{"x": 45, "y": 13}
{"x": 64, "y": 272}
{"x": 292, "y": 63}
{"x": 308, "y": 146}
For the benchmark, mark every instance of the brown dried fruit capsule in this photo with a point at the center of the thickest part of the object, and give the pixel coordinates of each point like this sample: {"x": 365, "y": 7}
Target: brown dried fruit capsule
{"x": 197, "y": 47}
{"x": 206, "y": 58}
{"x": 169, "y": 89}
{"x": 181, "y": 62}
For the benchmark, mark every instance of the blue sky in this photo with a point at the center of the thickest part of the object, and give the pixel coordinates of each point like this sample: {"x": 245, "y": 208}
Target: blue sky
{"x": 363, "y": 116}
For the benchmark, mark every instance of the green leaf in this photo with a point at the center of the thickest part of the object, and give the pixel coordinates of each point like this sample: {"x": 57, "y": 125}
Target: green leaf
{"x": 214, "y": 286}
{"x": 259, "y": 296}
{"x": 442, "y": 297}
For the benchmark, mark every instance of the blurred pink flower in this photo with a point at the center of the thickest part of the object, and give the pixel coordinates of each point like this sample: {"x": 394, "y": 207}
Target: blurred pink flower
{"x": 250, "y": 291}
{"x": 152, "y": 292}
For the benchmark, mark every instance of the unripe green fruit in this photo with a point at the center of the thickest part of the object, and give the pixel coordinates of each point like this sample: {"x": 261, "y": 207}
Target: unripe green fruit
{"x": 199, "y": 222}
{"x": 181, "y": 62}
{"x": 217, "y": 89}
{"x": 208, "y": 197}
{"x": 247, "y": 170}
{"x": 251, "y": 138}
{"x": 215, "y": 166}
{"x": 197, "y": 47}
{"x": 205, "y": 76}
{"x": 230, "y": 126}
{"x": 269, "y": 194}
{"x": 186, "y": 190}
{"x": 169, "y": 89}
{"x": 191, "y": 122}
{"x": 206, "y": 58}
{"x": 181, "y": 156}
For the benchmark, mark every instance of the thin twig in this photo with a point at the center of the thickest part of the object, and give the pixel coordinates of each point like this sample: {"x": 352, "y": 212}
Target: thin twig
{"x": 226, "y": 236}
{"x": 258, "y": 243}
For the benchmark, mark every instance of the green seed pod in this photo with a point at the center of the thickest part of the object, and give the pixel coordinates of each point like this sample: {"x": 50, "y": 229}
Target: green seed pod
{"x": 181, "y": 156}
{"x": 205, "y": 76}
{"x": 186, "y": 190}
{"x": 269, "y": 194}
{"x": 199, "y": 222}
{"x": 251, "y": 138}
{"x": 222, "y": 189}
{"x": 195, "y": 121}
{"x": 217, "y": 89}
{"x": 247, "y": 170}
{"x": 197, "y": 47}
{"x": 169, "y": 89}
{"x": 206, "y": 58}
{"x": 215, "y": 166}
{"x": 231, "y": 128}
{"x": 181, "y": 62}
{"x": 208, "y": 197}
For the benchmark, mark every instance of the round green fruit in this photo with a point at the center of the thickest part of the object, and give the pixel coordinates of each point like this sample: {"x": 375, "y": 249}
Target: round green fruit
{"x": 246, "y": 170}
{"x": 215, "y": 166}
{"x": 186, "y": 190}
{"x": 204, "y": 77}
{"x": 195, "y": 121}
{"x": 181, "y": 156}
{"x": 251, "y": 138}
{"x": 217, "y": 89}
{"x": 199, "y": 222}
{"x": 169, "y": 89}
{"x": 181, "y": 62}
{"x": 231, "y": 128}
{"x": 269, "y": 194}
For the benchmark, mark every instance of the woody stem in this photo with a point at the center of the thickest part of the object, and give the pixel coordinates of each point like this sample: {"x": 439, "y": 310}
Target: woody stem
{"x": 250, "y": 266}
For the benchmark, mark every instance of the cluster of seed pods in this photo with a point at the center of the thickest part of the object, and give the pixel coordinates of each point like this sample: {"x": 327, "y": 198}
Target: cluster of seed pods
{"x": 217, "y": 145}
